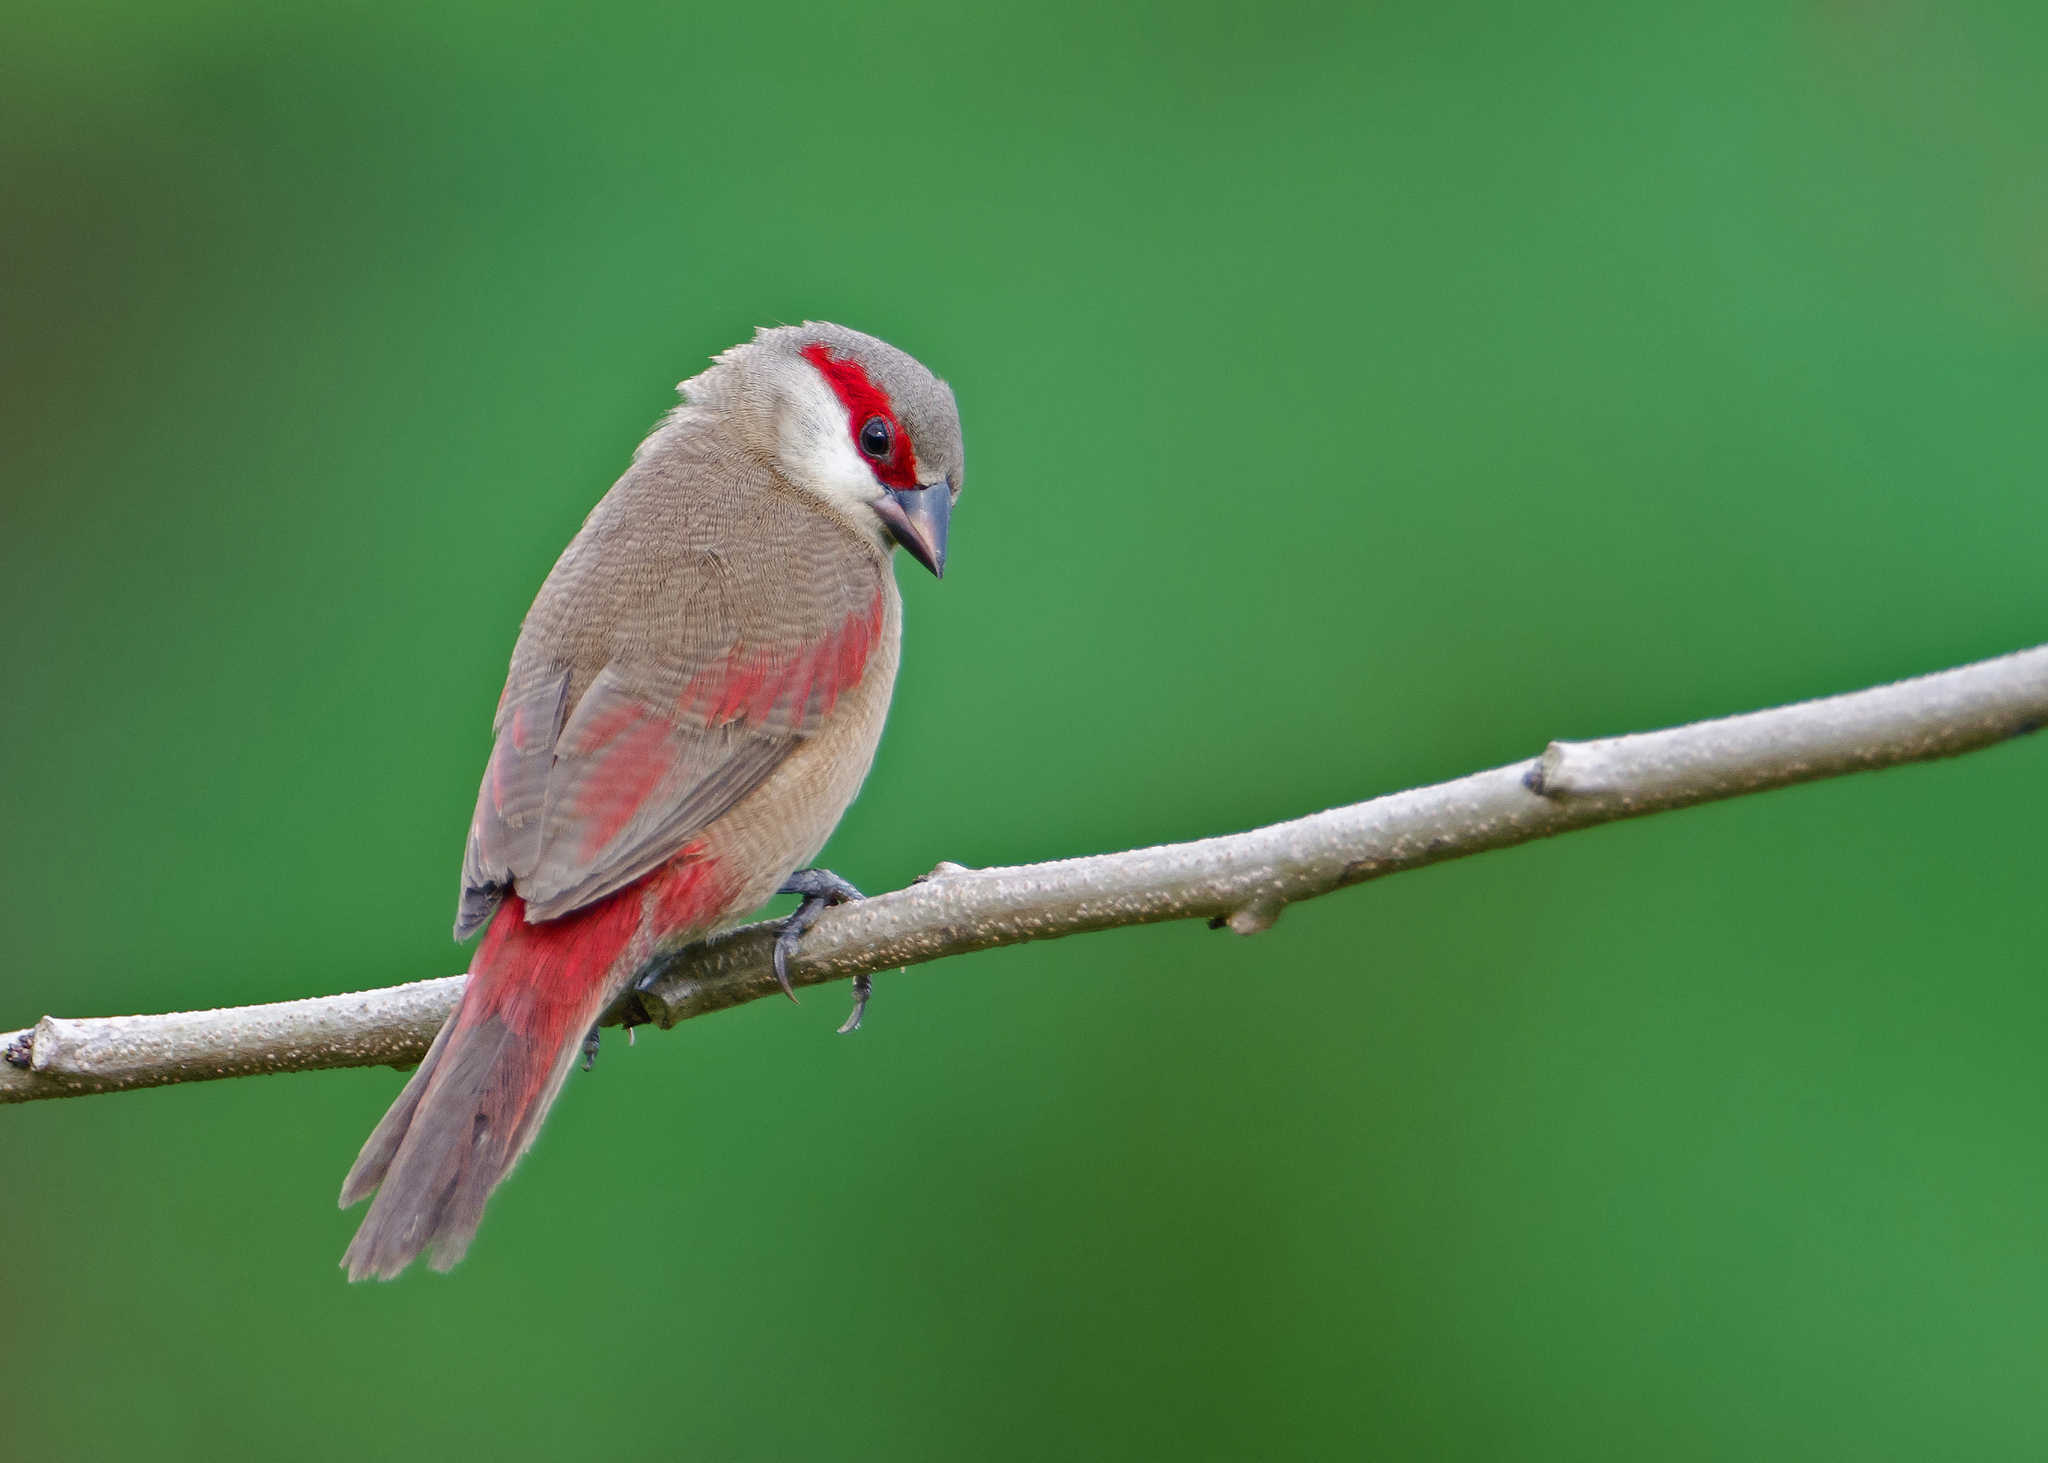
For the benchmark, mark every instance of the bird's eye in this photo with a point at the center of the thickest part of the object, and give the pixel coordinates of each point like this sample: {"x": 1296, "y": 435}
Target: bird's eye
{"x": 875, "y": 437}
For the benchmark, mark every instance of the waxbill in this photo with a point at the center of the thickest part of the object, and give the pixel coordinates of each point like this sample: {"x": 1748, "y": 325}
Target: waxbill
{"x": 694, "y": 699}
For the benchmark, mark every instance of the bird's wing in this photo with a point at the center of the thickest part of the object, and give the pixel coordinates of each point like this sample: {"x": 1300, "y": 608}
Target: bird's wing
{"x": 686, "y": 644}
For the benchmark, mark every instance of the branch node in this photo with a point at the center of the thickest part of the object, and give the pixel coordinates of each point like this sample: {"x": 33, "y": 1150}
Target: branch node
{"x": 45, "y": 1046}
{"x": 1546, "y": 776}
{"x": 1255, "y": 918}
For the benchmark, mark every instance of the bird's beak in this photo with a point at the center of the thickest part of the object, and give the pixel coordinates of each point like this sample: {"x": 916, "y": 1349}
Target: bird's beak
{"x": 917, "y": 518}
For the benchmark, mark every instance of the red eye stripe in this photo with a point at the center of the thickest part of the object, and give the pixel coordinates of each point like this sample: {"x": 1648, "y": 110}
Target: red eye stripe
{"x": 863, "y": 399}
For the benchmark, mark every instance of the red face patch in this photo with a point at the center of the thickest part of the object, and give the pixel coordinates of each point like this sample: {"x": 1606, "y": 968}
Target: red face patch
{"x": 864, "y": 401}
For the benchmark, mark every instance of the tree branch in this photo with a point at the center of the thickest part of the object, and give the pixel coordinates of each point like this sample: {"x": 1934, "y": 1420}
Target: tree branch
{"x": 1243, "y": 881}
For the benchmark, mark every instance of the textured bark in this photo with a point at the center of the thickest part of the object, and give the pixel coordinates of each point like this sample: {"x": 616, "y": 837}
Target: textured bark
{"x": 64, "y": 1058}
{"x": 1243, "y": 880}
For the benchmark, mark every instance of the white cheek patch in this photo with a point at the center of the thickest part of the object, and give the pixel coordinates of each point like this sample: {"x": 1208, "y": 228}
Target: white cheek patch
{"x": 815, "y": 447}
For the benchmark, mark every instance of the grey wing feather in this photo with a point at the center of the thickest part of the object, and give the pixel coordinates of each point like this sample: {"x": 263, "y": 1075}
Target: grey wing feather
{"x": 505, "y": 835}
{"x": 696, "y": 774}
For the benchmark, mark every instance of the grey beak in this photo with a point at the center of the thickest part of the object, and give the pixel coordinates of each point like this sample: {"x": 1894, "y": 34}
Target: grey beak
{"x": 918, "y": 518}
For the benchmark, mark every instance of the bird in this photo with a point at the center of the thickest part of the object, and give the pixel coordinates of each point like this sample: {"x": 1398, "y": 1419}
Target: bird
{"x": 694, "y": 699}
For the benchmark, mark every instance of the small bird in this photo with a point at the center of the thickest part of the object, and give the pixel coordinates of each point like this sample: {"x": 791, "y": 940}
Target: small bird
{"x": 694, "y": 699}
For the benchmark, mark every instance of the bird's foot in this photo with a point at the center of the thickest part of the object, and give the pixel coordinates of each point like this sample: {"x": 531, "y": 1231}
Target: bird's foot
{"x": 821, "y": 889}
{"x": 590, "y": 1049}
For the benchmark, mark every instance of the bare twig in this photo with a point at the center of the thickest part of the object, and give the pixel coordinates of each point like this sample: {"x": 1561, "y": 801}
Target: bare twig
{"x": 1243, "y": 881}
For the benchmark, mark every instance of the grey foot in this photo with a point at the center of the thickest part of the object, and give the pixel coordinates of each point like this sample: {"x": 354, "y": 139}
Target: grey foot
{"x": 590, "y": 1050}
{"x": 821, "y": 889}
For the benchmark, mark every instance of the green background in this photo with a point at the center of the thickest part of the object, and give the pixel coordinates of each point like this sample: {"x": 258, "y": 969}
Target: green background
{"x": 1355, "y": 396}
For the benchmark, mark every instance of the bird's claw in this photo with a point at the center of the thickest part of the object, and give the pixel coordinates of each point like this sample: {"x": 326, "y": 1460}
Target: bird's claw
{"x": 821, "y": 889}
{"x": 785, "y": 946}
{"x": 590, "y": 1049}
{"x": 863, "y": 987}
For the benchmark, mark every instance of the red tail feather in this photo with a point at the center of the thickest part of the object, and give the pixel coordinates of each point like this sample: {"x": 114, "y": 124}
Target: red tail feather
{"x": 545, "y": 983}
{"x": 476, "y": 1102}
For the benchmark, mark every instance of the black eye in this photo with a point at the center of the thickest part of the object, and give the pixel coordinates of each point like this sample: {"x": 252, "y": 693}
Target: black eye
{"x": 875, "y": 437}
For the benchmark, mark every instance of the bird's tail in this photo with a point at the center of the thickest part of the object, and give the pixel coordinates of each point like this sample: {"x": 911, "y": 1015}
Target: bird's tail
{"x": 477, "y": 1099}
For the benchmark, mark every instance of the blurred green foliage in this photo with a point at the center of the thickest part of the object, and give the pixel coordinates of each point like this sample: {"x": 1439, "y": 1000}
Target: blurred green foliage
{"x": 1356, "y": 396}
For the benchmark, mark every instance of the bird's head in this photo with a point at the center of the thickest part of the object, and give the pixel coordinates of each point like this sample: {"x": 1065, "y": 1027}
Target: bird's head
{"x": 853, "y": 421}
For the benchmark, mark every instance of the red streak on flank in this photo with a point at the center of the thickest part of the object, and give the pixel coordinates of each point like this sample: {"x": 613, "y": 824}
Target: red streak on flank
{"x": 802, "y": 676}
{"x": 863, "y": 399}
{"x": 742, "y": 677}
{"x": 603, "y": 728}
{"x": 620, "y": 781}
{"x": 763, "y": 687}
{"x": 688, "y": 893}
{"x": 635, "y": 751}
